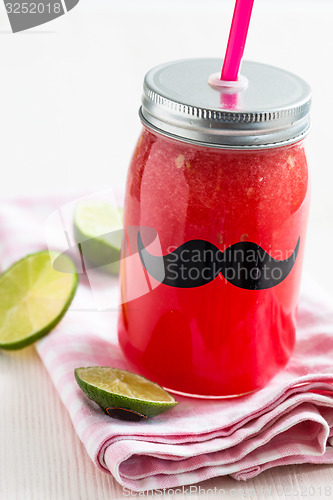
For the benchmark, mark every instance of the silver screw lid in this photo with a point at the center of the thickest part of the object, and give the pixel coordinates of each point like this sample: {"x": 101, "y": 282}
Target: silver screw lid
{"x": 269, "y": 107}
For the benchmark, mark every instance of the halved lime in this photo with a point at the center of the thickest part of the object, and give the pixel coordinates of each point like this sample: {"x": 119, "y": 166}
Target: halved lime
{"x": 33, "y": 299}
{"x": 123, "y": 394}
{"x": 98, "y": 230}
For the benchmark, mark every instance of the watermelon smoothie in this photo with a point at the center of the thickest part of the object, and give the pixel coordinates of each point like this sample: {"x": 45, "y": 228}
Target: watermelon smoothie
{"x": 218, "y": 175}
{"x": 215, "y": 339}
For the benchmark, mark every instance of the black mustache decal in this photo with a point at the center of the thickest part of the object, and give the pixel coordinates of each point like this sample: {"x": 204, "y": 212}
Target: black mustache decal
{"x": 198, "y": 262}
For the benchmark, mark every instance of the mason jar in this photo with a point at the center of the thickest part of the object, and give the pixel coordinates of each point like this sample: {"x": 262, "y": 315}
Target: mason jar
{"x": 216, "y": 211}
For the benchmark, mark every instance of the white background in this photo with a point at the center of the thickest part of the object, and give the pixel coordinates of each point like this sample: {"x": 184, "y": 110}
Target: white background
{"x": 69, "y": 96}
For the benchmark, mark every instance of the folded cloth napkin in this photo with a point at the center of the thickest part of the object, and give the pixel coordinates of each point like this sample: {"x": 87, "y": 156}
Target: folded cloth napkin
{"x": 289, "y": 421}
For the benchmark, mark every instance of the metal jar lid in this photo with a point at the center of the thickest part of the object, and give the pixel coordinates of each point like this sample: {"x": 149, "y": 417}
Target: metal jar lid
{"x": 269, "y": 110}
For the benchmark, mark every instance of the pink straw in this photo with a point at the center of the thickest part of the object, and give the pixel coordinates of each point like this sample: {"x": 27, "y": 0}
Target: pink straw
{"x": 237, "y": 38}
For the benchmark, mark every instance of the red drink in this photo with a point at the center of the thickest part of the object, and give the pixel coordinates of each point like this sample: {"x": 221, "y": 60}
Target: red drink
{"x": 218, "y": 338}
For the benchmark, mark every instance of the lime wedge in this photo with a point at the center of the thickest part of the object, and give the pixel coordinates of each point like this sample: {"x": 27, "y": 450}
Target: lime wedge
{"x": 98, "y": 229}
{"x": 122, "y": 394}
{"x": 33, "y": 299}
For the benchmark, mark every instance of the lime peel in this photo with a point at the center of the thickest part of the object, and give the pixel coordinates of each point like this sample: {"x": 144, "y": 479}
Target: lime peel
{"x": 115, "y": 389}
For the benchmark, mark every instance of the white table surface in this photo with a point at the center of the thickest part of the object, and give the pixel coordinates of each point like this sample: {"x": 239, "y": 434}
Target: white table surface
{"x": 69, "y": 95}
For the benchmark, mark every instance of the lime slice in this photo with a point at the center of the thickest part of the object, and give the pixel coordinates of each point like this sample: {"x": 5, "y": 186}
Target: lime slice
{"x": 122, "y": 394}
{"x": 98, "y": 229}
{"x": 33, "y": 299}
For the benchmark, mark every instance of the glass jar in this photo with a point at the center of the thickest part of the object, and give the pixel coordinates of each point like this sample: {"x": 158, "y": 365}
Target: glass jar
{"x": 220, "y": 176}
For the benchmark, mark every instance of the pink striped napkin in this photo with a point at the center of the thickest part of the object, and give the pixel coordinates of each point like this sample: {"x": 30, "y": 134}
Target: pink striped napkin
{"x": 289, "y": 421}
